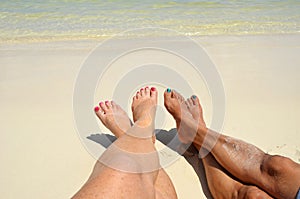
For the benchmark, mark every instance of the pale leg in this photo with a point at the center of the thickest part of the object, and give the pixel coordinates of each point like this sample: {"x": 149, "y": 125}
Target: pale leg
{"x": 106, "y": 182}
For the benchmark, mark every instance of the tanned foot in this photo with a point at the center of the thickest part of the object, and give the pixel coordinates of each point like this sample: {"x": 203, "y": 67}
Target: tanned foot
{"x": 113, "y": 117}
{"x": 185, "y": 123}
{"x": 195, "y": 109}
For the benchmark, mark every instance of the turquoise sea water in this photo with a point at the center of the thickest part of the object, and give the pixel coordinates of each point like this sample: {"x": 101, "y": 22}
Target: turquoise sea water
{"x": 80, "y": 19}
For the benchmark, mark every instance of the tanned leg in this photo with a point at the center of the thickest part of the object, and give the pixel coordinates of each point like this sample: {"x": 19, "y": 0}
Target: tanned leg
{"x": 276, "y": 175}
{"x": 223, "y": 186}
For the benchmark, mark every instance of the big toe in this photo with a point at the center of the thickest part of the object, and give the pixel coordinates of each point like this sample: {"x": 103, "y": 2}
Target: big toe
{"x": 167, "y": 98}
{"x": 196, "y": 102}
{"x": 153, "y": 93}
{"x": 172, "y": 100}
{"x": 170, "y": 93}
{"x": 99, "y": 112}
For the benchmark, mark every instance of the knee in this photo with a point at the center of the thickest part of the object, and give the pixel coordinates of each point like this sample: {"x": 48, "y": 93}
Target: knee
{"x": 251, "y": 192}
{"x": 254, "y": 193}
{"x": 121, "y": 162}
{"x": 274, "y": 165}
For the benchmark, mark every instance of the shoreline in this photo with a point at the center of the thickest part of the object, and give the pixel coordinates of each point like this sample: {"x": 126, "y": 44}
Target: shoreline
{"x": 44, "y": 39}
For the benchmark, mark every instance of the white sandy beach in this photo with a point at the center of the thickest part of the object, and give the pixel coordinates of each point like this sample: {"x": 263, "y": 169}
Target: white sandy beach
{"x": 42, "y": 155}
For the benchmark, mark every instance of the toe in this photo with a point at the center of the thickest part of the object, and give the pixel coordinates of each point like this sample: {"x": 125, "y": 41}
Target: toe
{"x": 142, "y": 92}
{"x": 153, "y": 92}
{"x": 178, "y": 96}
{"x": 147, "y": 91}
{"x": 103, "y": 107}
{"x": 169, "y": 101}
{"x": 195, "y": 100}
{"x": 108, "y": 104}
{"x": 138, "y": 95}
{"x": 174, "y": 94}
{"x": 96, "y": 109}
{"x": 99, "y": 112}
{"x": 189, "y": 102}
{"x": 168, "y": 97}
{"x": 113, "y": 104}
{"x": 134, "y": 98}
{"x": 168, "y": 94}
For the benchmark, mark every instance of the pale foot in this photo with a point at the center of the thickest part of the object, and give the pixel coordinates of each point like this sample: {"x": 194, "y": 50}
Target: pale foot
{"x": 144, "y": 108}
{"x": 113, "y": 117}
{"x": 134, "y": 141}
{"x": 185, "y": 123}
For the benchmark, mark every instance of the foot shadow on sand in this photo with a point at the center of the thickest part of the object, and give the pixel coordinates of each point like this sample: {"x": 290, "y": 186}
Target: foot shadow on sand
{"x": 170, "y": 139}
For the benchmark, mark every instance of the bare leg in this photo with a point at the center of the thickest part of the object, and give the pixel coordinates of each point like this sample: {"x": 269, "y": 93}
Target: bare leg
{"x": 125, "y": 173}
{"x": 223, "y": 186}
{"x": 117, "y": 121}
{"x": 278, "y": 176}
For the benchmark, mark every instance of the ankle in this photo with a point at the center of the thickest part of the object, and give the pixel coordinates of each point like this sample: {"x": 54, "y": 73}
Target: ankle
{"x": 145, "y": 122}
{"x": 141, "y": 130}
{"x": 200, "y": 136}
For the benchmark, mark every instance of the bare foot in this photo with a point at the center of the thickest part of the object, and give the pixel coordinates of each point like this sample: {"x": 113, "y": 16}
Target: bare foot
{"x": 185, "y": 123}
{"x": 195, "y": 109}
{"x": 144, "y": 107}
{"x": 113, "y": 117}
{"x": 134, "y": 142}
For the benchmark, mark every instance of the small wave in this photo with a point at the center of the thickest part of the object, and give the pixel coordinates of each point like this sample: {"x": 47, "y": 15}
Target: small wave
{"x": 87, "y": 19}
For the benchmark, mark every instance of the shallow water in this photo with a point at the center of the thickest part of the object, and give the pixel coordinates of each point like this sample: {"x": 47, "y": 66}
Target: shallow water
{"x": 37, "y": 19}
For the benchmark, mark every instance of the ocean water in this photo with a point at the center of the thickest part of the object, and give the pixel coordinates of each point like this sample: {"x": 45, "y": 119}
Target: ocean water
{"x": 81, "y": 19}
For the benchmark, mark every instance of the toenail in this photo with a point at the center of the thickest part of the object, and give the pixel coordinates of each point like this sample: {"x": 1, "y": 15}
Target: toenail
{"x": 100, "y": 103}
{"x": 96, "y": 109}
{"x": 106, "y": 102}
{"x": 194, "y": 96}
{"x": 153, "y": 89}
{"x": 146, "y": 87}
{"x": 168, "y": 90}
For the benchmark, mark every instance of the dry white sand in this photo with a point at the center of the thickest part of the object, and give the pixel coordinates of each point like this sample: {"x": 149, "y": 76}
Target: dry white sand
{"x": 41, "y": 153}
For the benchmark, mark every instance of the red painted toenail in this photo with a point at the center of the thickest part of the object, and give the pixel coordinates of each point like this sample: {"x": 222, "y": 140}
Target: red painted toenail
{"x": 96, "y": 109}
{"x": 106, "y": 102}
{"x": 146, "y": 87}
{"x": 100, "y": 103}
{"x": 153, "y": 89}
